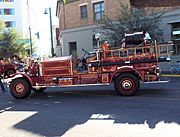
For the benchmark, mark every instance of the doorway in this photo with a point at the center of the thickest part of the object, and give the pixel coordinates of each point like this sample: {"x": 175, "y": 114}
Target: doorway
{"x": 73, "y": 49}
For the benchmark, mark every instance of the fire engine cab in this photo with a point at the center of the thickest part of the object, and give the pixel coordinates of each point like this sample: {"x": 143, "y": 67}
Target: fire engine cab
{"x": 125, "y": 66}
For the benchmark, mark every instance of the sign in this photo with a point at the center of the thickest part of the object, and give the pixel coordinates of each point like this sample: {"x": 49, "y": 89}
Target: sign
{"x": 22, "y": 41}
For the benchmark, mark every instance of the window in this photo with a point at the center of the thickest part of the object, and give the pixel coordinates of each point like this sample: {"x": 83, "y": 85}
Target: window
{"x": 176, "y": 36}
{"x": 83, "y": 11}
{"x": 98, "y": 11}
{"x": 73, "y": 49}
{"x": 10, "y": 24}
{"x": 176, "y": 31}
{"x": 8, "y": 11}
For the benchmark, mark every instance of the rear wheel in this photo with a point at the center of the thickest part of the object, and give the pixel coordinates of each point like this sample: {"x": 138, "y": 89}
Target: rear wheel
{"x": 39, "y": 90}
{"x": 20, "y": 88}
{"x": 127, "y": 84}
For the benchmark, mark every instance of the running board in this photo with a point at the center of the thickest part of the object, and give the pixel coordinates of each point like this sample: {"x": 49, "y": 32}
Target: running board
{"x": 80, "y": 85}
{"x": 153, "y": 82}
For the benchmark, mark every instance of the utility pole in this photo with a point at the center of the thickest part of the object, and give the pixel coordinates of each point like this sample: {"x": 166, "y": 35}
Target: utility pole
{"x": 50, "y": 18}
{"x": 30, "y": 36}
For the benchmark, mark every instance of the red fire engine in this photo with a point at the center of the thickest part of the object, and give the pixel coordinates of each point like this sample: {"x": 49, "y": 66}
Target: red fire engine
{"x": 125, "y": 67}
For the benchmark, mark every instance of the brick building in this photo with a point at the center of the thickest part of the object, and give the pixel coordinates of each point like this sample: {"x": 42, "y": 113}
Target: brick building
{"x": 78, "y": 20}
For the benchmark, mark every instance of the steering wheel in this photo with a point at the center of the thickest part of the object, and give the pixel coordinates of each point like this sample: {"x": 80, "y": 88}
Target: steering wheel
{"x": 85, "y": 51}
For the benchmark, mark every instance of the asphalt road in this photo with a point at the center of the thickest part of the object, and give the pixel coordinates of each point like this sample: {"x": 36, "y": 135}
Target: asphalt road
{"x": 94, "y": 112}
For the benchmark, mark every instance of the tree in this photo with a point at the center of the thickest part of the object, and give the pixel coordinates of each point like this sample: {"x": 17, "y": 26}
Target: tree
{"x": 10, "y": 44}
{"x": 133, "y": 20}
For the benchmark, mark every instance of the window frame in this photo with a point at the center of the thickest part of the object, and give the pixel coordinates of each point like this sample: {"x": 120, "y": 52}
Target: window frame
{"x": 11, "y": 24}
{"x": 101, "y": 11}
{"x": 7, "y": 11}
{"x": 83, "y": 12}
{"x": 176, "y": 37}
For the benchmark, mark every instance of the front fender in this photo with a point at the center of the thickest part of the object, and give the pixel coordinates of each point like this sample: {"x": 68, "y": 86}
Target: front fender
{"x": 16, "y": 76}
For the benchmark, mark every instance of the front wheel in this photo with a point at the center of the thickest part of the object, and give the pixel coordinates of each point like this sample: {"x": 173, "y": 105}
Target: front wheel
{"x": 174, "y": 69}
{"x": 20, "y": 88}
{"x": 127, "y": 84}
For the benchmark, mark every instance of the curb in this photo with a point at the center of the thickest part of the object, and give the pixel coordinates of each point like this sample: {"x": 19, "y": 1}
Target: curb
{"x": 170, "y": 75}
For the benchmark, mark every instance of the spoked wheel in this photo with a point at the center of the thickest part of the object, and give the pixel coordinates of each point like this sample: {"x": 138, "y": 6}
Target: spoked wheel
{"x": 20, "y": 88}
{"x": 39, "y": 90}
{"x": 127, "y": 84}
{"x": 174, "y": 69}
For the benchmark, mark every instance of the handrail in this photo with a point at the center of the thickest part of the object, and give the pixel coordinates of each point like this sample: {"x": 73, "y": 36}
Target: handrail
{"x": 147, "y": 50}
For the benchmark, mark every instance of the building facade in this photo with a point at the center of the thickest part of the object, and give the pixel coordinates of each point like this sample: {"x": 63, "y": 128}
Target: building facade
{"x": 78, "y": 21}
{"x": 170, "y": 24}
{"x": 11, "y": 14}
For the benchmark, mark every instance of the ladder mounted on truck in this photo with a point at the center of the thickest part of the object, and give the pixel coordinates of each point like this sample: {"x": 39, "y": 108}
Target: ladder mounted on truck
{"x": 158, "y": 50}
{"x": 136, "y": 46}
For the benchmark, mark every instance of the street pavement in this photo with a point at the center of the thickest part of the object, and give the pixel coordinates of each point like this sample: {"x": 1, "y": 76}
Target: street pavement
{"x": 94, "y": 112}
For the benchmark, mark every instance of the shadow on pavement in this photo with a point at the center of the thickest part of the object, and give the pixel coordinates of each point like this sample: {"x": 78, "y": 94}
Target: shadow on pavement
{"x": 59, "y": 110}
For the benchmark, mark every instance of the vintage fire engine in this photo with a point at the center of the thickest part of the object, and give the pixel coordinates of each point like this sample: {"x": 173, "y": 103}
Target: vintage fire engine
{"x": 125, "y": 67}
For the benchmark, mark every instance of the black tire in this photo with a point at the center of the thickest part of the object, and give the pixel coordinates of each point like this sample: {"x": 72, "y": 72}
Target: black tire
{"x": 20, "y": 88}
{"x": 39, "y": 90}
{"x": 174, "y": 69}
{"x": 127, "y": 84}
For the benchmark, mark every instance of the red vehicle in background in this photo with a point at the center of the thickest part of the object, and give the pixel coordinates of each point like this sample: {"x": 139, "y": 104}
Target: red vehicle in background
{"x": 6, "y": 69}
{"x": 125, "y": 67}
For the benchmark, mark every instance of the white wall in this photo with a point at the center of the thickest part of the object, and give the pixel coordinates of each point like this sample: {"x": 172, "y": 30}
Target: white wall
{"x": 168, "y": 18}
{"x": 82, "y": 36}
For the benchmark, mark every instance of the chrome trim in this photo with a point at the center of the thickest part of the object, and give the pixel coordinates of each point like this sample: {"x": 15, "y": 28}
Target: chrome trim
{"x": 62, "y": 78}
{"x": 40, "y": 69}
{"x": 80, "y": 85}
{"x": 71, "y": 65}
{"x": 124, "y": 67}
{"x": 153, "y": 82}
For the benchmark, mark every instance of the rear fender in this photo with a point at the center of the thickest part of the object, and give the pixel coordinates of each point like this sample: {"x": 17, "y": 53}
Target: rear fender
{"x": 126, "y": 69}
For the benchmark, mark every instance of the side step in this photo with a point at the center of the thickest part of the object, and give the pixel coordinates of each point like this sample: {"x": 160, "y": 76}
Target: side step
{"x": 153, "y": 82}
{"x": 80, "y": 85}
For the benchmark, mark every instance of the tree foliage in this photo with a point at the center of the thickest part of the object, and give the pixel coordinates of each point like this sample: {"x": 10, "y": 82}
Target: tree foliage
{"x": 130, "y": 21}
{"x": 10, "y": 44}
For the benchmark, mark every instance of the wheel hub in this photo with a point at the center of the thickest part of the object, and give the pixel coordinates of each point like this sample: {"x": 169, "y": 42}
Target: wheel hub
{"x": 19, "y": 88}
{"x": 126, "y": 84}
